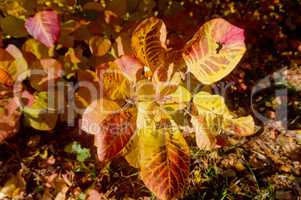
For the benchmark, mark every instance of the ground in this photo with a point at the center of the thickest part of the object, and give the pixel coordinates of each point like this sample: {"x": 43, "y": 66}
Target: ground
{"x": 264, "y": 166}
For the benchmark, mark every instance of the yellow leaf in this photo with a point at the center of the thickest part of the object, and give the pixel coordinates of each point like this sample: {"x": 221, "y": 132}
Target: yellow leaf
{"x": 95, "y": 113}
{"x": 177, "y": 100}
{"x": 160, "y": 151}
{"x": 148, "y": 42}
{"x": 213, "y": 117}
{"x": 38, "y": 115}
{"x": 5, "y": 59}
{"x": 164, "y": 159}
{"x": 206, "y": 102}
{"x": 36, "y": 48}
{"x": 242, "y": 126}
{"x": 115, "y": 83}
{"x": 206, "y": 129}
{"x": 214, "y": 51}
{"x": 19, "y": 68}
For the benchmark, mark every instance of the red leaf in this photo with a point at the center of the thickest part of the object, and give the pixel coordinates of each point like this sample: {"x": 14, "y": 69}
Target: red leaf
{"x": 117, "y": 129}
{"x": 45, "y": 27}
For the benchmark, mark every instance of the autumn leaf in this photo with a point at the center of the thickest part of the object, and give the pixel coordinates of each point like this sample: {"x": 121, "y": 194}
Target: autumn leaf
{"x": 45, "y": 27}
{"x": 111, "y": 126}
{"x": 44, "y": 73}
{"x": 214, "y": 117}
{"x": 214, "y": 51}
{"x": 164, "y": 158}
{"x": 117, "y": 129}
{"x": 99, "y": 46}
{"x": 38, "y": 115}
{"x": 177, "y": 100}
{"x": 242, "y": 126}
{"x": 19, "y": 67}
{"x": 84, "y": 96}
{"x": 5, "y": 78}
{"x": 5, "y": 59}
{"x": 160, "y": 151}
{"x": 36, "y": 48}
{"x": 9, "y": 118}
{"x": 149, "y": 42}
{"x": 13, "y": 26}
{"x": 166, "y": 80}
{"x": 115, "y": 83}
{"x": 129, "y": 66}
{"x": 95, "y": 113}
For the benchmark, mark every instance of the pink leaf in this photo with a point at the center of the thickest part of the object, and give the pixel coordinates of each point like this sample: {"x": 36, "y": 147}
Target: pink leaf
{"x": 130, "y": 66}
{"x": 45, "y": 27}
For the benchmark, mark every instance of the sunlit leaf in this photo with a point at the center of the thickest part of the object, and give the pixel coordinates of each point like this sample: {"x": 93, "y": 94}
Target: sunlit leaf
{"x": 45, "y": 27}
{"x": 111, "y": 126}
{"x": 123, "y": 44}
{"x": 145, "y": 91}
{"x": 115, "y": 83}
{"x": 242, "y": 126}
{"x": 177, "y": 100}
{"x": 160, "y": 151}
{"x": 164, "y": 158}
{"x": 39, "y": 116}
{"x": 214, "y": 50}
{"x": 206, "y": 129}
{"x": 132, "y": 149}
{"x": 149, "y": 42}
{"x": 165, "y": 80}
{"x": 96, "y": 113}
{"x": 213, "y": 117}
{"x": 117, "y": 129}
{"x": 175, "y": 57}
{"x": 129, "y": 66}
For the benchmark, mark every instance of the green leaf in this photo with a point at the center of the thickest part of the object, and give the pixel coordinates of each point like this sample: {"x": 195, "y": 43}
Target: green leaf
{"x": 82, "y": 154}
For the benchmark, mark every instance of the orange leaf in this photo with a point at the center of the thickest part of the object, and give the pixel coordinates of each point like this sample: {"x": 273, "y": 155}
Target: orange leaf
{"x": 117, "y": 129}
{"x": 164, "y": 158}
{"x": 111, "y": 126}
{"x": 149, "y": 42}
{"x": 9, "y": 118}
